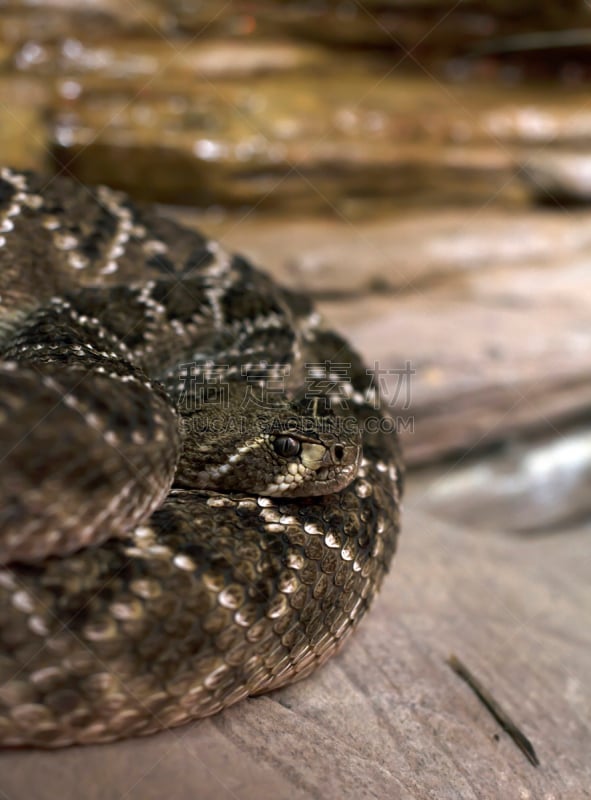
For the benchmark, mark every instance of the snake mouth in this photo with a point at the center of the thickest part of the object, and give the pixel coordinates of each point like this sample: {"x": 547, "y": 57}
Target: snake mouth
{"x": 330, "y": 473}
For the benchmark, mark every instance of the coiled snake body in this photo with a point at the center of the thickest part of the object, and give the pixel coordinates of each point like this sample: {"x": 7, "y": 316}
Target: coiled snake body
{"x": 162, "y": 558}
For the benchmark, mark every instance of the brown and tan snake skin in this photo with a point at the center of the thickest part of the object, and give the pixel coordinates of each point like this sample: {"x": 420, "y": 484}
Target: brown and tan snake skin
{"x": 162, "y": 557}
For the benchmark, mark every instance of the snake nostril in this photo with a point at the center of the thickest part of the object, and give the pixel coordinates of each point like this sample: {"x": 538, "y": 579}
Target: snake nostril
{"x": 338, "y": 452}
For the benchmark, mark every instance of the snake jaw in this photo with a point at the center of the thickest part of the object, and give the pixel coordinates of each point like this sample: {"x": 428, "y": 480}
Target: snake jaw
{"x": 322, "y": 469}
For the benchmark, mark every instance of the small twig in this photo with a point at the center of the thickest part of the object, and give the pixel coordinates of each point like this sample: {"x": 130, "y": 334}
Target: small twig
{"x": 501, "y": 716}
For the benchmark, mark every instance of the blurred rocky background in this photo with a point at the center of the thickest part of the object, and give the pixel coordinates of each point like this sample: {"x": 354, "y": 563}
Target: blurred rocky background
{"x": 424, "y": 169}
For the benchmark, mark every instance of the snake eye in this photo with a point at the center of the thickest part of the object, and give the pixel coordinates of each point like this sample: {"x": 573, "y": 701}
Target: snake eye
{"x": 287, "y": 446}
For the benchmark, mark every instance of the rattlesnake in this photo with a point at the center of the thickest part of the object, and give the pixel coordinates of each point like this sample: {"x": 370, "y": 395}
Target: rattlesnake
{"x": 157, "y": 567}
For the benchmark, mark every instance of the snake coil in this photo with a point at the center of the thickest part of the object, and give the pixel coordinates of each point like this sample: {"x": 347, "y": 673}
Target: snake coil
{"x": 161, "y": 557}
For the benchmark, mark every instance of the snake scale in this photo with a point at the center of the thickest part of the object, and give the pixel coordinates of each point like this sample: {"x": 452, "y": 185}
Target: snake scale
{"x": 162, "y": 557}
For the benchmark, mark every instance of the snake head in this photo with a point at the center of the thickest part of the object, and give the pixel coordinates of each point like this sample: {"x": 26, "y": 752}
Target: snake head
{"x": 281, "y": 451}
{"x": 306, "y": 463}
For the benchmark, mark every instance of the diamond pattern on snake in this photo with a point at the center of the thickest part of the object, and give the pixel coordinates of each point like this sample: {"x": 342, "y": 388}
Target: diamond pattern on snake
{"x": 162, "y": 557}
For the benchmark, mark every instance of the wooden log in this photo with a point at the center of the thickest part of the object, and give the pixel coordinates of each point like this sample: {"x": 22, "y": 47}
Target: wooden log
{"x": 387, "y": 717}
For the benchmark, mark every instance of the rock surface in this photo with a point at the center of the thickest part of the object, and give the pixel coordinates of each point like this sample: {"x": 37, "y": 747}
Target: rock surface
{"x": 387, "y": 717}
{"x": 423, "y": 169}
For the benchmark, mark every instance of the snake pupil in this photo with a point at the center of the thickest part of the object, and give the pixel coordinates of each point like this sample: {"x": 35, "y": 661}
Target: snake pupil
{"x": 286, "y": 446}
